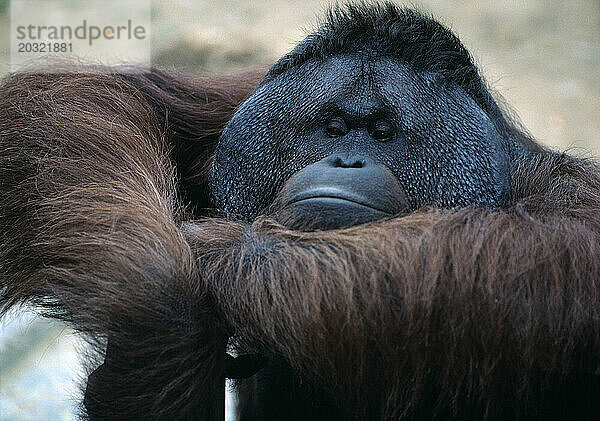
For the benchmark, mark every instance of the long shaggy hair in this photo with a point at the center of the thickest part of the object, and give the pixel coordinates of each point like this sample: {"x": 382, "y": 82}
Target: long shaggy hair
{"x": 464, "y": 313}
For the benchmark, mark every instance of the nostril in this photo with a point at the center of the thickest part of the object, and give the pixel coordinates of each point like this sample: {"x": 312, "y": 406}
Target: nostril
{"x": 338, "y": 162}
{"x": 356, "y": 164}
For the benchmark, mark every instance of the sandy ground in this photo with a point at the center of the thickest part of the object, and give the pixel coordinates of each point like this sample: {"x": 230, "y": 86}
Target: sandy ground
{"x": 542, "y": 56}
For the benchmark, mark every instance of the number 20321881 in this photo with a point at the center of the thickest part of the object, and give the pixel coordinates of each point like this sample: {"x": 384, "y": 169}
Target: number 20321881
{"x": 45, "y": 47}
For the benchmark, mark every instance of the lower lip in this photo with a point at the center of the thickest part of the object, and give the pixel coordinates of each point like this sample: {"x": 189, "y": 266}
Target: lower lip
{"x": 333, "y": 201}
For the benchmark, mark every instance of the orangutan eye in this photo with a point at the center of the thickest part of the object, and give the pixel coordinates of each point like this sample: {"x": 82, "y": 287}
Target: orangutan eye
{"x": 336, "y": 127}
{"x": 382, "y": 130}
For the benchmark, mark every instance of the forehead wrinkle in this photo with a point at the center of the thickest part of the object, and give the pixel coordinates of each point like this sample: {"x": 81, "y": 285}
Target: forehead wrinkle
{"x": 409, "y": 94}
{"x": 359, "y": 97}
{"x": 321, "y": 81}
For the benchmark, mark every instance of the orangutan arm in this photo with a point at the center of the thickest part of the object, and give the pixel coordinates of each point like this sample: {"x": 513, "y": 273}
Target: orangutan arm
{"x": 465, "y": 306}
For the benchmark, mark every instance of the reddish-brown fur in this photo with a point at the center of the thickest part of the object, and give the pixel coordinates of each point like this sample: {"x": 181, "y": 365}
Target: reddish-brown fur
{"x": 89, "y": 220}
{"x": 460, "y": 313}
{"x": 453, "y": 310}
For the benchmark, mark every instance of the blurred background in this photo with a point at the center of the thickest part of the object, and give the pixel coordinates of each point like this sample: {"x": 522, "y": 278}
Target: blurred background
{"x": 542, "y": 56}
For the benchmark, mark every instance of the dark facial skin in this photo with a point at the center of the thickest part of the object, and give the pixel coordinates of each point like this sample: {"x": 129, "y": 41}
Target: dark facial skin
{"x": 406, "y": 138}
